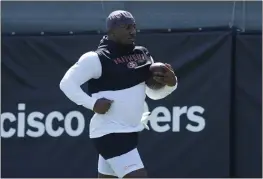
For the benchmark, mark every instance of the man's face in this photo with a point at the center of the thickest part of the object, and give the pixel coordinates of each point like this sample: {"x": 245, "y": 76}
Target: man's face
{"x": 125, "y": 34}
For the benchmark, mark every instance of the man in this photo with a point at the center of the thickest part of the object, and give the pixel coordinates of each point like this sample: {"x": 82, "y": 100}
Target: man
{"x": 116, "y": 73}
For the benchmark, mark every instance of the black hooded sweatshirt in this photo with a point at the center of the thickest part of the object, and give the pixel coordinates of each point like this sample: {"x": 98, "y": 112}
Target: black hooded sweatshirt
{"x": 123, "y": 66}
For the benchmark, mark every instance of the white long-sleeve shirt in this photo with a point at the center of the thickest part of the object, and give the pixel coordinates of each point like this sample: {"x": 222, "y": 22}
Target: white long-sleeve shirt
{"x": 128, "y": 104}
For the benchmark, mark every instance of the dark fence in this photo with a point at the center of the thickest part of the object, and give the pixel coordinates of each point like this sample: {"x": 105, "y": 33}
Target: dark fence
{"x": 209, "y": 127}
{"x": 77, "y": 16}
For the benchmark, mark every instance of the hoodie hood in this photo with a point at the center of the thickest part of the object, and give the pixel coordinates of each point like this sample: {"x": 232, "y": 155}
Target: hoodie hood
{"x": 112, "y": 46}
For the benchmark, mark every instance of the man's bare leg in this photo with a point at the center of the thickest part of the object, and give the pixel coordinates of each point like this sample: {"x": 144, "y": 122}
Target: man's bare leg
{"x": 105, "y": 176}
{"x": 141, "y": 173}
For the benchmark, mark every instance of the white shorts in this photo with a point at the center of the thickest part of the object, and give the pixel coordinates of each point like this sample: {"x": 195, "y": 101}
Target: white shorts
{"x": 121, "y": 165}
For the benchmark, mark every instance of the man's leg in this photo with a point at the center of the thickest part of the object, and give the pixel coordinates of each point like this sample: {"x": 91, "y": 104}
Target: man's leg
{"x": 105, "y": 176}
{"x": 141, "y": 173}
{"x": 104, "y": 169}
{"x": 119, "y": 153}
{"x": 128, "y": 165}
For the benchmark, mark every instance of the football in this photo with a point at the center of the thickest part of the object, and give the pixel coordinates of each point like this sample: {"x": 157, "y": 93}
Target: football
{"x": 158, "y": 67}
{"x": 155, "y": 67}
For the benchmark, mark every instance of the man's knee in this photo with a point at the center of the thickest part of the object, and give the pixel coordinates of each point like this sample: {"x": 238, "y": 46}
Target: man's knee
{"x": 105, "y": 176}
{"x": 141, "y": 173}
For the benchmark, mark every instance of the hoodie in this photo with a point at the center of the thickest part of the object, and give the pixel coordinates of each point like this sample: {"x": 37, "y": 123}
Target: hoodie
{"x": 123, "y": 66}
{"x": 116, "y": 72}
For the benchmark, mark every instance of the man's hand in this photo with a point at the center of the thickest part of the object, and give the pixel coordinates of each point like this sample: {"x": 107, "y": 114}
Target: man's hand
{"x": 102, "y": 105}
{"x": 168, "y": 77}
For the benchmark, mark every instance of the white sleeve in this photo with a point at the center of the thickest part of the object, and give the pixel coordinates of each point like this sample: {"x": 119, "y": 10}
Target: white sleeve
{"x": 87, "y": 67}
{"x": 160, "y": 93}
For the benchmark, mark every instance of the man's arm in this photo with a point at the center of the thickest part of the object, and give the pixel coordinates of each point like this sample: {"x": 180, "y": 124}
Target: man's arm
{"x": 162, "y": 92}
{"x": 87, "y": 67}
